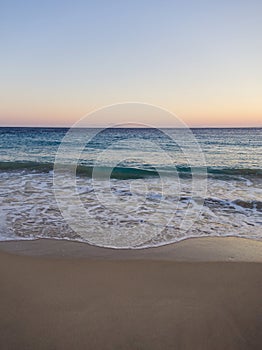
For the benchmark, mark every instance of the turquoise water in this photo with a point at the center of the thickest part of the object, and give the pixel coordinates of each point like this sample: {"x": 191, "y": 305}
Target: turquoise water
{"x": 151, "y": 176}
{"x": 228, "y": 150}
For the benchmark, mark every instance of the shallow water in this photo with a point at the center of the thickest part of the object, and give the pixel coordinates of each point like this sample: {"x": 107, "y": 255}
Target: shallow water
{"x": 150, "y": 192}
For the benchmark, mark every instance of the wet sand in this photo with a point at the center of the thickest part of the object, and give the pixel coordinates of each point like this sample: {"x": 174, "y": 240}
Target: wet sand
{"x": 198, "y": 294}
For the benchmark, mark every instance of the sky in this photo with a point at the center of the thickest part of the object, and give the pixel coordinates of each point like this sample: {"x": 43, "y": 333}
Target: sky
{"x": 201, "y": 60}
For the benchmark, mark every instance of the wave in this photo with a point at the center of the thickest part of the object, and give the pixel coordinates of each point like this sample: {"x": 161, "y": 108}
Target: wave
{"x": 122, "y": 172}
{"x": 117, "y": 173}
{"x": 236, "y": 171}
{"x": 30, "y": 166}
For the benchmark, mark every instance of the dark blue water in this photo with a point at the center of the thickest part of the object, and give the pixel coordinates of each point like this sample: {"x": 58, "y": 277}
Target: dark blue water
{"x": 236, "y": 151}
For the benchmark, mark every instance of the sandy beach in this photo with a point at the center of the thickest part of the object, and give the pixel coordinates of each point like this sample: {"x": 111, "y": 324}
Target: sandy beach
{"x": 190, "y": 295}
{"x": 131, "y": 175}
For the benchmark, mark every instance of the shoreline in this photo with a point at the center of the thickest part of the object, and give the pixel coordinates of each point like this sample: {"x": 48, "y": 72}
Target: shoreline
{"x": 192, "y": 249}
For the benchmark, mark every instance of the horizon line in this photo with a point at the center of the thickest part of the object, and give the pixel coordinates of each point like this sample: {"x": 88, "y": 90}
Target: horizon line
{"x": 133, "y": 127}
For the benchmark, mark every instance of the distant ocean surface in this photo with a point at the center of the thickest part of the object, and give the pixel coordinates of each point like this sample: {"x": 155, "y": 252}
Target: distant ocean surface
{"x": 232, "y": 205}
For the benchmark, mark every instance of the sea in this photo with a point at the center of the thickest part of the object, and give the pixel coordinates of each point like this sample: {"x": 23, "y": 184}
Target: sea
{"x": 130, "y": 187}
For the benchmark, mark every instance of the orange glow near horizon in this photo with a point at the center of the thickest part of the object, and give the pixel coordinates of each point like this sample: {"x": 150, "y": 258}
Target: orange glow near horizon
{"x": 67, "y": 117}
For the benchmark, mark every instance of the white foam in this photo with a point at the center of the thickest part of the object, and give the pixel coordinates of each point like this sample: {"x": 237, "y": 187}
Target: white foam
{"x": 29, "y": 210}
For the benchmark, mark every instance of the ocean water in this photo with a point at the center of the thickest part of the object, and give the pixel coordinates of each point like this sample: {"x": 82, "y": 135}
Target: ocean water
{"x": 130, "y": 188}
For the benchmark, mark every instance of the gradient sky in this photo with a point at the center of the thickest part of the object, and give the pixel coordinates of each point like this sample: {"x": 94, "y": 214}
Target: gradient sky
{"x": 199, "y": 59}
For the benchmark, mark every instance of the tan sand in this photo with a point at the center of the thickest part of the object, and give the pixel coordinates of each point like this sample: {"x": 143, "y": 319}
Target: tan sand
{"x": 83, "y": 303}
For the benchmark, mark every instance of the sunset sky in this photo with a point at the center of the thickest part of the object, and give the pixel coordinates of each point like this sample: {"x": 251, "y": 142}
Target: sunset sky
{"x": 199, "y": 59}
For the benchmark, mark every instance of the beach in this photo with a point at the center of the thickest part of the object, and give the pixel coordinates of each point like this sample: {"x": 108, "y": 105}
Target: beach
{"x": 131, "y": 175}
{"x": 201, "y": 293}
